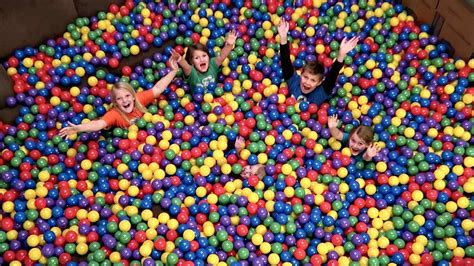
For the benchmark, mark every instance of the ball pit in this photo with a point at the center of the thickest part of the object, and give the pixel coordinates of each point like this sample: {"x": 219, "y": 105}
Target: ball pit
{"x": 163, "y": 191}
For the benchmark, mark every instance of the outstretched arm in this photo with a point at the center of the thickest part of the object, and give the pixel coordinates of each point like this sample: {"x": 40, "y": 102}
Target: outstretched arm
{"x": 91, "y": 126}
{"x": 182, "y": 63}
{"x": 332, "y": 125}
{"x": 161, "y": 85}
{"x": 229, "y": 45}
{"x": 286, "y": 65}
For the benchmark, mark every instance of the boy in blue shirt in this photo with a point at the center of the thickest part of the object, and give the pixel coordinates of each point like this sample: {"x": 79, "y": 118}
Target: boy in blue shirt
{"x": 306, "y": 86}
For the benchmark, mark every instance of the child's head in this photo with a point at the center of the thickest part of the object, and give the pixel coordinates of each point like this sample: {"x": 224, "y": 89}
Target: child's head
{"x": 124, "y": 98}
{"x": 258, "y": 170}
{"x": 360, "y": 138}
{"x": 311, "y": 76}
{"x": 198, "y": 56}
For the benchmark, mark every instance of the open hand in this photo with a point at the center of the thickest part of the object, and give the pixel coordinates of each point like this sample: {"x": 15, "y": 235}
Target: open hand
{"x": 283, "y": 27}
{"x": 373, "y": 150}
{"x": 231, "y": 37}
{"x": 333, "y": 121}
{"x": 347, "y": 45}
{"x": 173, "y": 63}
{"x": 175, "y": 55}
{"x": 239, "y": 144}
{"x": 69, "y": 130}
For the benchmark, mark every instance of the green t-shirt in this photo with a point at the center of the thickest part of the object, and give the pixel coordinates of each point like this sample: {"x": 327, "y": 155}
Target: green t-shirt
{"x": 197, "y": 78}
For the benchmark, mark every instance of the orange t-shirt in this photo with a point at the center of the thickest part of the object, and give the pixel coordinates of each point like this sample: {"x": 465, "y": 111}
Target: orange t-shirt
{"x": 113, "y": 117}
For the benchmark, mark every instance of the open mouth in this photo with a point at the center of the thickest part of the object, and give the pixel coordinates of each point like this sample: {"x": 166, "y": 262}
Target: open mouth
{"x": 125, "y": 106}
{"x": 355, "y": 150}
{"x": 304, "y": 88}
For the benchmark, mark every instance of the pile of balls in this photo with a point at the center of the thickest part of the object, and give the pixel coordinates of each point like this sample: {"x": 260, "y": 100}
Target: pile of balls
{"x": 166, "y": 190}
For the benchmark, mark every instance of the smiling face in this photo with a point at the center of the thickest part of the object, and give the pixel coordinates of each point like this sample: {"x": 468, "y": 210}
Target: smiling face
{"x": 356, "y": 144}
{"x": 124, "y": 100}
{"x": 309, "y": 81}
{"x": 200, "y": 60}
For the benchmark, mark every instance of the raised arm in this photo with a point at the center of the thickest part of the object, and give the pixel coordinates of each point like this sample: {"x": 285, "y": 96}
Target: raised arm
{"x": 161, "y": 85}
{"x": 332, "y": 125}
{"x": 286, "y": 65}
{"x": 91, "y": 126}
{"x": 229, "y": 45}
{"x": 346, "y": 47}
{"x": 182, "y": 63}
{"x": 330, "y": 80}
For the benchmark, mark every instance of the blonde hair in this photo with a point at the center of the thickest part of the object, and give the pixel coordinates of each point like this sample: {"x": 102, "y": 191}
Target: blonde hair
{"x": 364, "y": 132}
{"x": 113, "y": 96}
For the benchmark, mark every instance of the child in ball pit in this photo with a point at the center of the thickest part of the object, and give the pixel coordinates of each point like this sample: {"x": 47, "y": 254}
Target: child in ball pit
{"x": 311, "y": 85}
{"x": 198, "y": 67}
{"x": 127, "y": 105}
{"x": 248, "y": 170}
{"x": 359, "y": 140}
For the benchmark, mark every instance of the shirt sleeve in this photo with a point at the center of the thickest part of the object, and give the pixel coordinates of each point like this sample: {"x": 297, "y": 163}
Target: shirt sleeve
{"x": 330, "y": 81}
{"x": 214, "y": 67}
{"x": 146, "y": 97}
{"x": 191, "y": 79}
{"x": 110, "y": 117}
{"x": 286, "y": 64}
{"x": 345, "y": 137}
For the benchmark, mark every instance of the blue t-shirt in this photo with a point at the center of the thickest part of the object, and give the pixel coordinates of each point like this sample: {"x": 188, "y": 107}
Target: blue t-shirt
{"x": 345, "y": 141}
{"x": 317, "y": 96}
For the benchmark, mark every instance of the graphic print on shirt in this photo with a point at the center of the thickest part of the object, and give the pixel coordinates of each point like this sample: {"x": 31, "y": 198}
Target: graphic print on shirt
{"x": 301, "y": 98}
{"x": 207, "y": 80}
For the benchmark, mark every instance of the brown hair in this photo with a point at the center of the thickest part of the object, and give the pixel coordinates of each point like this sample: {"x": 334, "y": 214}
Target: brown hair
{"x": 260, "y": 171}
{"x": 125, "y": 86}
{"x": 364, "y": 132}
{"x": 314, "y": 68}
{"x": 192, "y": 49}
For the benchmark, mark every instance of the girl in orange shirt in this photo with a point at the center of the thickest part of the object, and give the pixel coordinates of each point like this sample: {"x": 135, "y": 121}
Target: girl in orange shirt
{"x": 127, "y": 105}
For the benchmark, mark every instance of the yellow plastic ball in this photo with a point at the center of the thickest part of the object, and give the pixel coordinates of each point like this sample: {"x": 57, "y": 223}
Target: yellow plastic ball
{"x": 273, "y": 259}
{"x": 320, "y": 48}
{"x": 82, "y": 248}
{"x": 33, "y": 241}
{"x": 381, "y": 167}
{"x": 377, "y": 73}
{"x": 286, "y": 169}
{"x": 27, "y": 62}
{"x": 208, "y": 229}
{"x": 417, "y": 195}
{"x": 370, "y": 189}
{"x": 414, "y": 259}
{"x": 322, "y": 249}
{"x": 409, "y": 132}
{"x": 134, "y": 49}
{"x": 213, "y": 259}
{"x": 34, "y": 254}
{"x": 463, "y": 202}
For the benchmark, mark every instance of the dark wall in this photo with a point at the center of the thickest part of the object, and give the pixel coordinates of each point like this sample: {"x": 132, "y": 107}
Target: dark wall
{"x": 32, "y": 22}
